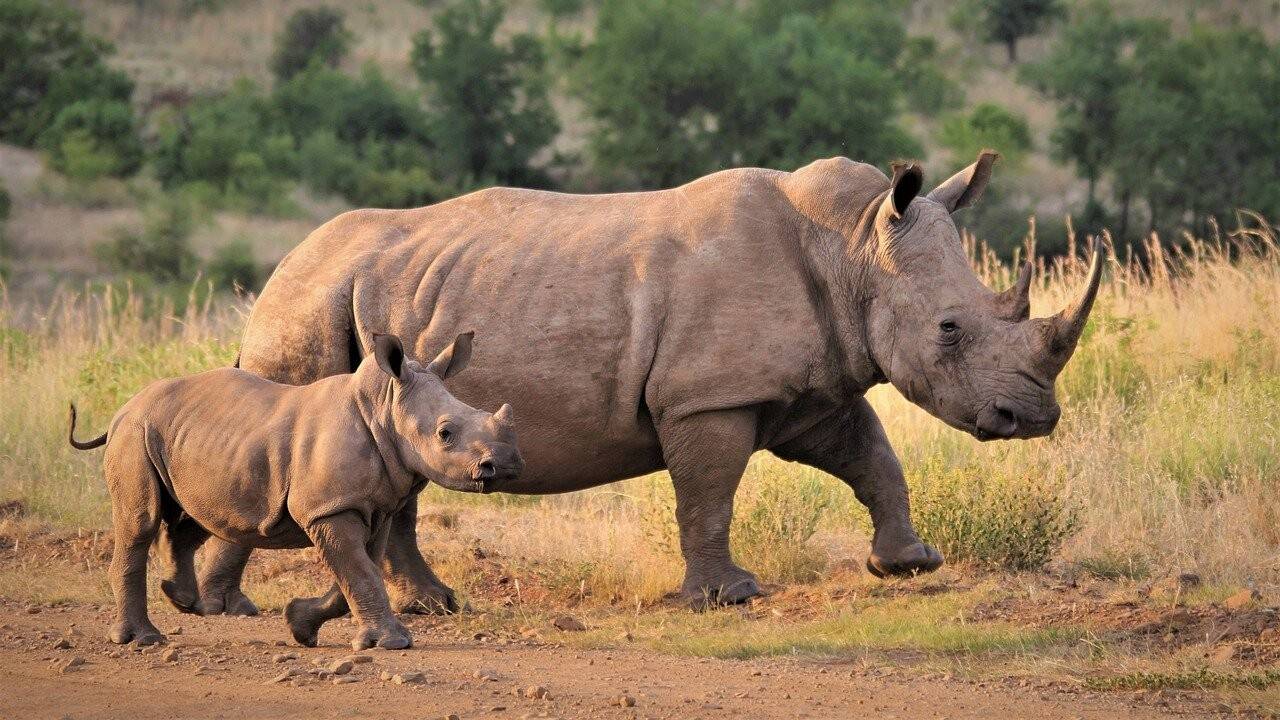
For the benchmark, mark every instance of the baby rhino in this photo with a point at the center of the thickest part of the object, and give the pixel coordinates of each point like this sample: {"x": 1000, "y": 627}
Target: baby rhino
{"x": 279, "y": 466}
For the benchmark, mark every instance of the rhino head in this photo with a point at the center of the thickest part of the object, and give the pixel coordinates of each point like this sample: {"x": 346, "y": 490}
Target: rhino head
{"x": 972, "y": 357}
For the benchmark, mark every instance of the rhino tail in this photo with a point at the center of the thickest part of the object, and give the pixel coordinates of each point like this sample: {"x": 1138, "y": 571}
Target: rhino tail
{"x": 236, "y": 364}
{"x": 88, "y": 444}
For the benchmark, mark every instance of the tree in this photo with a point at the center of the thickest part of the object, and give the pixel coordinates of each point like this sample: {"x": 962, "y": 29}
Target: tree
{"x": 311, "y": 35}
{"x": 491, "y": 112}
{"x": 48, "y": 62}
{"x": 1007, "y": 21}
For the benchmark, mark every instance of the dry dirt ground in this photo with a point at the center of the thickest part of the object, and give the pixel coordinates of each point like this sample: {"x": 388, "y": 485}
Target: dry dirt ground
{"x": 224, "y": 668}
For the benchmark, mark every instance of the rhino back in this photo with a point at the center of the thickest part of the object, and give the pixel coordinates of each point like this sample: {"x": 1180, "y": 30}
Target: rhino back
{"x": 594, "y": 314}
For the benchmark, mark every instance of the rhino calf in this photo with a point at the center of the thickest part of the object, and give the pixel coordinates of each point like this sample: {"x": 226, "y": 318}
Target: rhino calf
{"x": 266, "y": 465}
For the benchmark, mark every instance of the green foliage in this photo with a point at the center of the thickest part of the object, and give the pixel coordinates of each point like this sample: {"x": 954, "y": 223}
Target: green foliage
{"x": 1198, "y": 678}
{"x": 94, "y": 138}
{"x": 761, "y": 84}
{"x": 1013, "y": 522}
{"x": 48, "y": 63}
{"x": 233, "y": 266}
{"x": 311, "y": 36}
{"x": 562, "y": 8}
{"x": 162, "y": 249}
{"x": 1006, "y": 21}
{"x": 987, "y": 126}
{"x": 490, "y": 98}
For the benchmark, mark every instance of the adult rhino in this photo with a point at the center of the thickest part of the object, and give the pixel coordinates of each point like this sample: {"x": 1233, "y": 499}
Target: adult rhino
{"x": 681, "y": 329}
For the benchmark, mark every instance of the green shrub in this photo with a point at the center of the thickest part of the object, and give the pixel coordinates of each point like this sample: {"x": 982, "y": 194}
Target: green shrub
{"x": 233, "y": 266}
{"x": 49, "y": 63}
{"x": 162, "y": 249}
{"x": 311, "y": 36}
{"x": 1015, "y": 522}
{"x": 93, "y": 138}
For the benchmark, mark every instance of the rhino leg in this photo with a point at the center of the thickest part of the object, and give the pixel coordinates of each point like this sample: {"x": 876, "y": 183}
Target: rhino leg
{"x": 414, "y": 588}
{"x": 347, "y": 548}
{"x": 184, "y": 537}
{"x": 220, "y": 576}
{"x": 306, "y": 615}
{"x": 853, "y": 447}
{"x": 135, "y": 511}
{"x": 706, "y": 455}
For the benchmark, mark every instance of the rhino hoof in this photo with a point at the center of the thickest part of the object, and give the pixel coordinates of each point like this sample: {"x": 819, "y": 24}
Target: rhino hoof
{"x": 300, "y": 616}
{"x": 393, "y": 637}
{"x": 184, "y": 601}
{"x": 233, "y": 602}
{"x": 911, "y": 560}
{"x": 706, "y": 596}
{"x": 141, "y": 633}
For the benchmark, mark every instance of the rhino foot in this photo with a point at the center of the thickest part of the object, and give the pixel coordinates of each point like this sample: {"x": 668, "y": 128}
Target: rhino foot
{"x": 427, "y": 599}
{"x": 391, "y": 636}
{"x": 733, "y": 587}
{"x": 912, "y": 559}
{"x": 304, "y": 624}
{"x": 185, "y": 600}
{"x": 142, "y": 633}
{"x": 232, "y": 602}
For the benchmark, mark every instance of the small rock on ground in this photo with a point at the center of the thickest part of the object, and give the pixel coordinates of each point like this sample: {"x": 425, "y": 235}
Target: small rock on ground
{"x": 1242, "y": 599}
{"x": 170, "y": 655}
{"x": 485, "y": 674}
{"x": 360, "y": 659}
{"x": 345, "y": 679}
{"x": 285, "y": 657}
{"x": 406, "y": 678}
{"x": 625, "y": 701}
{"x": 284, "y": 676}
{"x": 71, "y": 664}
{"x": 63, "y": 644}
{"x": 568, "y": 623}
{"x": 341, "y": 667}
{"x": 537, "y": 692}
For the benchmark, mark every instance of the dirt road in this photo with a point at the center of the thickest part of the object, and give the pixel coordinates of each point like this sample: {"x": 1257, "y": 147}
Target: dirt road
{"x": 223, "y": 668}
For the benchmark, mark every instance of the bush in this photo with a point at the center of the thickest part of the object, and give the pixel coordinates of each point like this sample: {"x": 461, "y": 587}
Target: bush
{"x": 311, "y": 36}
{"x": 1012, "y": 523}
{"x": 94, "y": 138}
{"x": 233, "y": 266}
{"x": 49, "y": 63}
{"x": 162, "y": 250}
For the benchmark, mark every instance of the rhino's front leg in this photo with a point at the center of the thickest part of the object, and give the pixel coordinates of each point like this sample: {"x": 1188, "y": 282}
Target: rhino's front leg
{"x": 853, "y": 447}
{"x": 221, "y": 570}
{"x": 352, "y": 552}
{"x": 414, "y": 588}
{"x": 706, "y": 454}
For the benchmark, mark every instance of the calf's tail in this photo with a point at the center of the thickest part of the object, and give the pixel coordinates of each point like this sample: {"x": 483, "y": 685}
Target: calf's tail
{"x": 87, "y": 445}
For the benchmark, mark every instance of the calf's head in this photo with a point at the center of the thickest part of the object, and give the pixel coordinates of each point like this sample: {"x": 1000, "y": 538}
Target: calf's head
{"x": 438, "y": 436}
{"x": 972, "y": 357}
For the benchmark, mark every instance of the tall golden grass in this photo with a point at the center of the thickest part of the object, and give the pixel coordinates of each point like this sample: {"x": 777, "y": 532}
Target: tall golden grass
{"x": 1166, "y": 458}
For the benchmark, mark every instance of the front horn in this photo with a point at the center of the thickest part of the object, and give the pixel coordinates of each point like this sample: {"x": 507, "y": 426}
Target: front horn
{"x": 1068, "y": 325}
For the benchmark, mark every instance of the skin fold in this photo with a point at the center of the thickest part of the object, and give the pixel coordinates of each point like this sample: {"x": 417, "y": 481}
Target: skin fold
{"x": 681, "y": 329}
{"x": 265, "y": 465}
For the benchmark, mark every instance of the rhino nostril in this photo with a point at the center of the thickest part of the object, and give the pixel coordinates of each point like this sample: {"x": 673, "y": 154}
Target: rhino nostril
{"x": 997, "y": 421}
{"x": 485, "y": 469}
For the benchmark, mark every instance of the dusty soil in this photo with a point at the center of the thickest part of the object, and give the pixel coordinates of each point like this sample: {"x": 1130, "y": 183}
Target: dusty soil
{"x": 223, "y": 667}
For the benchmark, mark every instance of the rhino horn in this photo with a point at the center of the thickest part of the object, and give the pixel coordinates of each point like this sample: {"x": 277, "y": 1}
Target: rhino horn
{"x": 1016, "y": 301}
{"x": 1066, "y": 327}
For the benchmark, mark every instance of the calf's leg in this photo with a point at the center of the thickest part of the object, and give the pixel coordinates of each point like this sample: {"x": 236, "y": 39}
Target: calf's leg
{"x": 135, "y": 513}
{"x": 306, "y": 615}
{"x": 220, "y": 574}
{"x": 185, "y": 537}
{"x": 853, "y": 447}
{"x": 413, "y": 586}
{"x": 353, "y": 553}
{"x": 706, "y": 454}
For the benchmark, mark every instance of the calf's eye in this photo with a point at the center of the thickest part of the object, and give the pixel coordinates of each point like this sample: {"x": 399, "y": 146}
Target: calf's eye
{"x": 445, "y": 434}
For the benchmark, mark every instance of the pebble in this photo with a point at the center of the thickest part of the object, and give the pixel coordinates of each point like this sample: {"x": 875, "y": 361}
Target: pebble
{"x": 486, "y": 675}
{"x": 284, "y": 657}
{"x": 498, "y": 708}
{"x": 406, "y": 678}
{"x": 282, "y": 677}
{"x": 175, "y": 630}
{"x": 63, "y": 644}
{"x": 33, "y": 609}
{"x": 345, "y": 679}
{"x": 359, "y": 659}
{"x": 537, "y": 692}
{"x": 451, "y": 716}
{"x": 1242, "y": 599}
{"x": 170, "y": 655}
{"x": 341, "y": 667}
{"x": 568, "y": 623}
{"x": 71, "y": 664}
{"x": 625, "y": 701}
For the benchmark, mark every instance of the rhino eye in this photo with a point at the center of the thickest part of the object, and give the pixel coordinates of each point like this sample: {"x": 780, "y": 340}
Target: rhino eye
{"x": 949, "y": 332}
{"x": 445, "y": 433}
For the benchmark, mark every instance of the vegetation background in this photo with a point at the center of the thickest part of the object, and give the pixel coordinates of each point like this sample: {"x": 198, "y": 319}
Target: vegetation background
{"x": 157, "y": 157}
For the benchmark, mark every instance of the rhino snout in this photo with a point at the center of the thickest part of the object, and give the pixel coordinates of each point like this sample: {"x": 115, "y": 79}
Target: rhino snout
{"x": 1003, "y": 420}
{"x": 498, "y": 466}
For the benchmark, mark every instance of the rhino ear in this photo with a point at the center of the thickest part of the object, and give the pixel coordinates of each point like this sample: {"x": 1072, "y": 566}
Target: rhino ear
{"x": 389, "y": 353}
{"x": 454, "y": 358}
{"x": 907, "y": 180}
{"x": 965, "y": 187}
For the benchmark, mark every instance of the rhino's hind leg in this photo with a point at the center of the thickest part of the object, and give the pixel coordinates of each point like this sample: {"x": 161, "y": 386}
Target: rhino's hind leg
{"x": 306, "y": 615}
{"x": 414, "y": 588}
{"x": 345, "y": 544}
{"x": 706, "y": 455}
{"x": 183, "y": 538}
{"x": 220, "y": 574}
{"x": 135, "y": 510}
{"x": 854, "y": 448}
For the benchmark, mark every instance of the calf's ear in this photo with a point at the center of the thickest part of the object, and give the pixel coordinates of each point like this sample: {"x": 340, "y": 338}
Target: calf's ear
{"x": 454, "y": 358}
{"x": 389, "y": 353}
{"x": 965, "y": 187}
{"x": 903, "y": 188}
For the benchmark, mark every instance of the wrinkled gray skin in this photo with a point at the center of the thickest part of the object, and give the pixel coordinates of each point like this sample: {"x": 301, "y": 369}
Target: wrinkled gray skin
{"x": 262, "y": 464}
{"x": 681, "y": 329}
